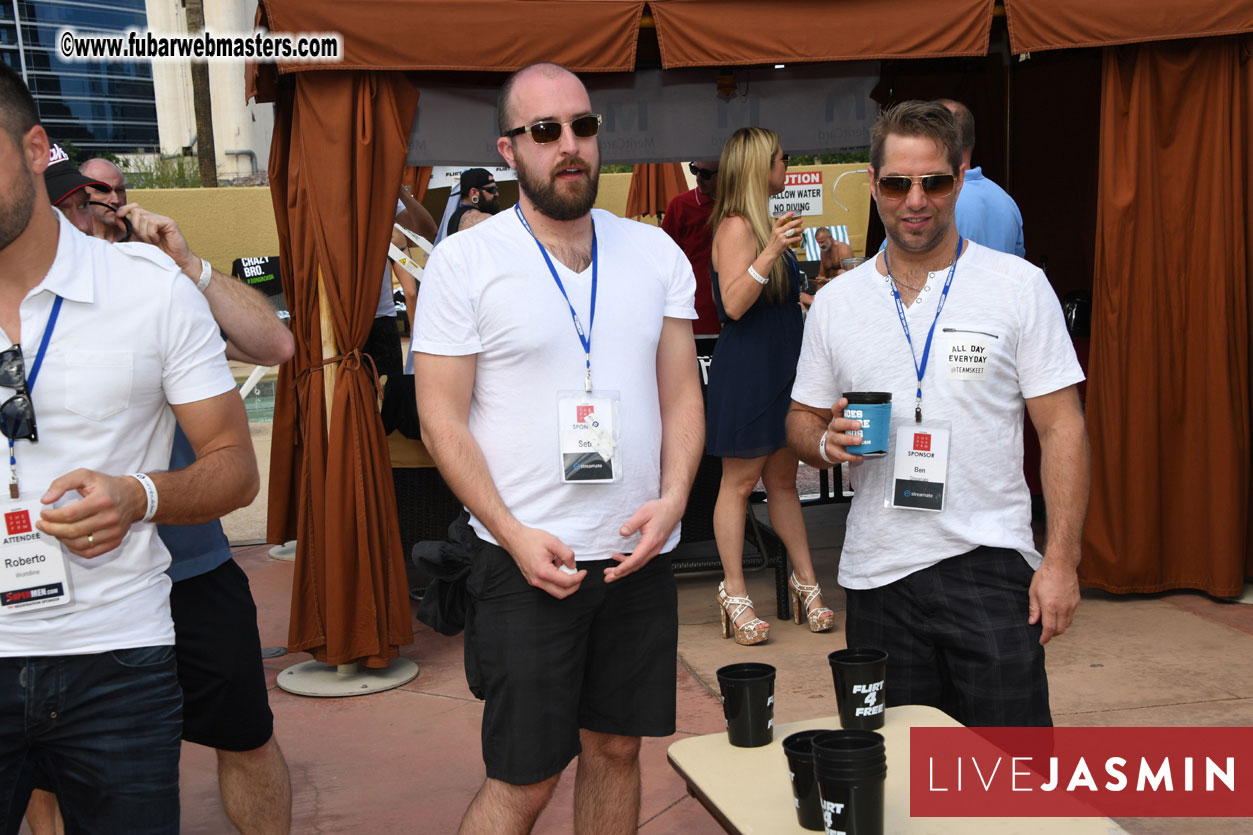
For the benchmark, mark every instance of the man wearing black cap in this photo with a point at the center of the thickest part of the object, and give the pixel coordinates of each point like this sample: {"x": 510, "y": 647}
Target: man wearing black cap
{"x": 67, "y": 189}
{"x": 479, "y": 200}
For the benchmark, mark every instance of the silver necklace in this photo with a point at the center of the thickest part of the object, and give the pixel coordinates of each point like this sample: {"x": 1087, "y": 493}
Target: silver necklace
{"x": 925, "y": 286}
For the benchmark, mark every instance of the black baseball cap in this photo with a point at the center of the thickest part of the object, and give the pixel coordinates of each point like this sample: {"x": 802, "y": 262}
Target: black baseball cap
{"x": 63, "y": 179}
{"x": 474, "y": 178}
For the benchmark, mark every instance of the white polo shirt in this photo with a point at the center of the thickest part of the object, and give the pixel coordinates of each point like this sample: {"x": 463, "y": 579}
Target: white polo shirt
{"x": 133, "y": 336}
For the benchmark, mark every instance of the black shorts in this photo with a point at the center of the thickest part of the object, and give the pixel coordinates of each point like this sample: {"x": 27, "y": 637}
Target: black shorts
{"x": 225, "y": 703}
{"x": 957, "y": 638}
{"x": 603, "y": 659}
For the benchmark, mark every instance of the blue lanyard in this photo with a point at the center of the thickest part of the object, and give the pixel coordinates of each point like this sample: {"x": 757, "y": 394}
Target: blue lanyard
{"x": 30, "y": 385}
{"x": 585, "y": 337}
{"x": 921, "y": 369}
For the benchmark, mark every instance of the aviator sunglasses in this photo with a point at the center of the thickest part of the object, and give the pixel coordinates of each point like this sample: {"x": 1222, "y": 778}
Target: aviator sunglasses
{"x": 933, "y": 185}
{"x": 17, "y": 414}
{"x": 549, "y": 130}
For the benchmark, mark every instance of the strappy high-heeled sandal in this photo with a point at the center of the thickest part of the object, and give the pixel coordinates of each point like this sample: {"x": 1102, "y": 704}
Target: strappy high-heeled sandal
{"x": 819, "y": 619}
{"x": 748, "y": 633}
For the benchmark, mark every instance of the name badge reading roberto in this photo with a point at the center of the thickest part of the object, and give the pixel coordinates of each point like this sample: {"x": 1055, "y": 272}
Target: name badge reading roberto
{"x": 920, "y": 466}
{"x": 588, "y": 438}
{"x": 33, "y": 570}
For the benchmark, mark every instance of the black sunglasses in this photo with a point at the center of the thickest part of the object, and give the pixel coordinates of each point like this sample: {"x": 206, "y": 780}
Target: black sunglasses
{"x": 489, "y": 189}
{"x": 126, "y": 221}
{"x": 547, "y": 131}
{"x": 17, "y": 414}
{"x": 933, "y": 185}
{"x": 703, "y": 173}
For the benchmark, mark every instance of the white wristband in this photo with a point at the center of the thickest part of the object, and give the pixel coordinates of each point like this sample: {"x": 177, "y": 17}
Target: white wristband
{"x": 150, "y": 490}
{"x": 758, "y": 277}
{"x": 206, "y": 275}
{"x": 822, "y": 448}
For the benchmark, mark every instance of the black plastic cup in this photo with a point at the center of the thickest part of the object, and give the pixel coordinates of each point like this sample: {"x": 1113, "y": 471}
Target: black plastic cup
{"x": 850, "y": 768}
{"x": 860, "y": 677}
{"x": 854, "y": 807}
{"x": 748, "y": 703}
{"x": 800, "y": 766}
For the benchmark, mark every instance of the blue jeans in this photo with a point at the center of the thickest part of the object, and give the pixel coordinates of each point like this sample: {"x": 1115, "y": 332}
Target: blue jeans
{"x": 105, "y": 729}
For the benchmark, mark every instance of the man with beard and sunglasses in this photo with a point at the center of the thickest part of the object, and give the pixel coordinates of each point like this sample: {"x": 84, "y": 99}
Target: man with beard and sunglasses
{"x": 557, "y": 386}
{"x": 939, "y": 563}
{"x": 111, "y": 347}
{"x": 480, "y": 199}
{"x": 687, "y": 222}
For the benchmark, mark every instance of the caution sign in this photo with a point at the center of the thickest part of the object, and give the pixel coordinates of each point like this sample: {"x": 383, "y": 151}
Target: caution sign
{"x": 802, "y": 194}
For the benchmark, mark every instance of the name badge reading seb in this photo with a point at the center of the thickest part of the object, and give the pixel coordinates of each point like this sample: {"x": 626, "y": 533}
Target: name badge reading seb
{"x": 919, "y": 466}
{"x": 588, "y": 437}
{"x": 33, "y": 570}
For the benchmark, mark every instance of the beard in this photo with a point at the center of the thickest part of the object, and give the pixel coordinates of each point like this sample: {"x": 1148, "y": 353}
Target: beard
{"x": 21, "y": 202}
{"x": 489, "y": 207}
{"x": 560, "y": 200}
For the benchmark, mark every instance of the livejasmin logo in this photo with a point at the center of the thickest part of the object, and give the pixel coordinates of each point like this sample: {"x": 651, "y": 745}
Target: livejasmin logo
{"x": 1081, "y": 772}
{"x": 1079, "y": 775}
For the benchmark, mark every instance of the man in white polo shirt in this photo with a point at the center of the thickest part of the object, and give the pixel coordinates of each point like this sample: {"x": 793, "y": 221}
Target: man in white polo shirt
{"x": 110, "y": 345}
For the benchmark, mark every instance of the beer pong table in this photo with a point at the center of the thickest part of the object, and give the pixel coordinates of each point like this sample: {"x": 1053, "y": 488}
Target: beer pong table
{"x": 747, "y": 789}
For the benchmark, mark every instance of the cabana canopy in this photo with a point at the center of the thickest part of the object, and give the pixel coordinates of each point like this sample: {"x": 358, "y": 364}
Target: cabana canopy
{"x": 1171, "y": 331}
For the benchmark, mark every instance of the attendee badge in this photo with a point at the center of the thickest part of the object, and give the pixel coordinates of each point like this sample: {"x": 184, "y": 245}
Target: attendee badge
{"x": 920, "y": 466}
{"x": 589, "y": 435}
{"x": 33, "y": 569}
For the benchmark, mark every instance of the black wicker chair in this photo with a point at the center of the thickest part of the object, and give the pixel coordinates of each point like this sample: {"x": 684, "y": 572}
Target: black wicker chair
{"x": 426, "y": 508}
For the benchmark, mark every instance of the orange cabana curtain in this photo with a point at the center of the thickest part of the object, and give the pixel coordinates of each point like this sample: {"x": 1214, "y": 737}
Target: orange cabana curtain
{"x": 730, "y": 33}
{"x": 455, "y": 35}
{"x": 653, "y": 186}
{"x": 1168, "y": 399}
{"x": 336, "y": 160}
{"x": 1038, "y": 25}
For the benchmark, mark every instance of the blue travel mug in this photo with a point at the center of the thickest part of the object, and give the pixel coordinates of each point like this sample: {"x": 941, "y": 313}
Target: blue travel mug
{"x": 874, "y": 410}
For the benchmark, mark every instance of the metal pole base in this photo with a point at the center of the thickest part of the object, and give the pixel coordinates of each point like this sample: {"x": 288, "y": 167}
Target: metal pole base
{"x": 285, "y": 552}
{"x": 313, "y": 678}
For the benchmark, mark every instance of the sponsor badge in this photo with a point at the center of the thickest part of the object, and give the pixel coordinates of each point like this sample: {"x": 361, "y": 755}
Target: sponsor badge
{"x": 588, "y": 438}
{"x": 920, "y": 466}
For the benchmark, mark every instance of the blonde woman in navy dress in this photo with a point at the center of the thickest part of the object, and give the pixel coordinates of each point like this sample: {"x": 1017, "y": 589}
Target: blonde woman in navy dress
{"x": 756, "y": 286}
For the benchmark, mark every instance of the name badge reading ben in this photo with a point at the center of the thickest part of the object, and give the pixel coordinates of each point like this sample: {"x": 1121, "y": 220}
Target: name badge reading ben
{"x": 919, "y": 466}
{"x": 588, "y": 436}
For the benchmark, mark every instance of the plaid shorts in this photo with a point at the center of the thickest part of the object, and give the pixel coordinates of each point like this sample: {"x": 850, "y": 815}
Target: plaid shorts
{"x": 603, "y": 659}
{"x": 957, "y": 638}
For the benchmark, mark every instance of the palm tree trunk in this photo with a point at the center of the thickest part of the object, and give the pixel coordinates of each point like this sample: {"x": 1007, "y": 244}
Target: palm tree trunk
{"x": 205, "y": 150}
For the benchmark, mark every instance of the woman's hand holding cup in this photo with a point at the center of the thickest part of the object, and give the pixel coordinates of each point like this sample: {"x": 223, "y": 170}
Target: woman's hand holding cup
{"x": 786, "y": 232}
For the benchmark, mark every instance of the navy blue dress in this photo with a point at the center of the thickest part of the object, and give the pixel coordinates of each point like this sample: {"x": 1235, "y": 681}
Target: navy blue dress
{"x": 751, "y": 373}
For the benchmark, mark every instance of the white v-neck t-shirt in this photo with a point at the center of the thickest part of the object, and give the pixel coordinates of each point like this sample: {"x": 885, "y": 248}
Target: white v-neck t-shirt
{"x": 854, "y": 342}
{"x": 487, "y": 291}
